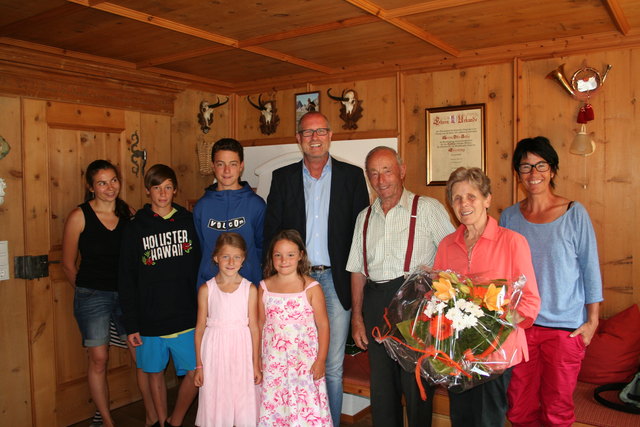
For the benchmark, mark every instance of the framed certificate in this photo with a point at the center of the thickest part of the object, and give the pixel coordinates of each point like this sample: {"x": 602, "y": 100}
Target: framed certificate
{"x": 455, "y": 138}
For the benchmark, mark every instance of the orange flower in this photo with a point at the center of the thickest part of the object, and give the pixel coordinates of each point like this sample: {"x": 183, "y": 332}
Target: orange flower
{"x": 493, "y": 298}
{"x": 443, "y": 289}
{"x": 440, "y": 327}
{"x": 479, "y": 291}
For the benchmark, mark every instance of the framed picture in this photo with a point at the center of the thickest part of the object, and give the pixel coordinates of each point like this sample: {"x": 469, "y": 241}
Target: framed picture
{"x": 455, "y": 137}
{"x": 306, "y": 102}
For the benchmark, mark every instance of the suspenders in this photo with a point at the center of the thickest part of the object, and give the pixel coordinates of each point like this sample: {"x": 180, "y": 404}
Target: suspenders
{"x": 412, "y": 233}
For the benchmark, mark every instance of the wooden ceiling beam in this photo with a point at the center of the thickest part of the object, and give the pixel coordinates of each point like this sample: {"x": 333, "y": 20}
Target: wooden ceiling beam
{"x": 158, "y": 22}
{"x": 194, "y": 53}
{"x": 284, "y": 35}
{"x": 67, "y": 53}
{"x": 618, "y": 16}
{"x": 289, "y": 59}
{"x": 314, "y": 29}
{"x": 428, "y": 7}
{"x": 408, "y": 27}
{"x": 224, "y": 87}
{"x": 205, "y": 35}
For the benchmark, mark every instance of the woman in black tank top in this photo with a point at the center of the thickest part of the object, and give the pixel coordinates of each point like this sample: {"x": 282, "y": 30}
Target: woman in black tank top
{"x": 94, "y": 231}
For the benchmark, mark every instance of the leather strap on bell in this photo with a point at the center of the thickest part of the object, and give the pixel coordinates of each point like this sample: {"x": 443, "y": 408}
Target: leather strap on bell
{"x": 412, "y": 233}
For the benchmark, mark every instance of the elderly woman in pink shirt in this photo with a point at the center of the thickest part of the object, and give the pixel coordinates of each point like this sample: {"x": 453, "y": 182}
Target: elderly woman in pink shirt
{"x": 480, "y": 247}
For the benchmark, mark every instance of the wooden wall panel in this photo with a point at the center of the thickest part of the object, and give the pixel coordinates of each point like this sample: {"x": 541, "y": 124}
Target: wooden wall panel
{"x": 248, "y": 122}
{"x": 15, "y": 393}
{"x": 379, "y": 104}
{"x": 155, "y": 136}
{"x": 490, "y": 85}
{"x": 39, "y": 293}
{"x": 605, "y": 182}
{"x": 186, "y": 136}
{"x": 133, "y": 191}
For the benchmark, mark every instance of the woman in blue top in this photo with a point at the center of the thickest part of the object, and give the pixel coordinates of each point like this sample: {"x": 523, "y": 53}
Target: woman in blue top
{"x": 565, "y": 260}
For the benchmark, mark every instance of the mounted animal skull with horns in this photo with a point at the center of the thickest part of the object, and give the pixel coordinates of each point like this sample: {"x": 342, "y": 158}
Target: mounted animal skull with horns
{"x": 351, "y": 109}
{"x": 205, "y": 116}
{"x": 269, "y": 118}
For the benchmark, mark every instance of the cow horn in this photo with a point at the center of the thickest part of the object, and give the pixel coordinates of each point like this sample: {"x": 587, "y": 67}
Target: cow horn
{"x": 336, "y": 98}
{"x": 258, "y": 107}
{"x": 219, "y": 104}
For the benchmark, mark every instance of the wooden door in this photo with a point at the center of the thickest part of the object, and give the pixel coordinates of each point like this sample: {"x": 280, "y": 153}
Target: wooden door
{"x": 60, "y": 140}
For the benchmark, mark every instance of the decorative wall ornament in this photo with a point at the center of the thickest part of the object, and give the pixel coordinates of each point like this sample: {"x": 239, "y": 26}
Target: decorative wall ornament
{"x": 4, "y": 148}
{"x": 351, "y": 109}
{"x": 269, "y": 118}
{"x": 138, "y": 157}
{"x": 585, "y": 82}
{"x": 204, "y": 156}
{"x": 205, "y": 116}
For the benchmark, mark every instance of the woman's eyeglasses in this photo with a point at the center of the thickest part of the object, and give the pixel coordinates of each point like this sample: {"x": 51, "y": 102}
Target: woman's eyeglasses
{"x": 540, "y": 167}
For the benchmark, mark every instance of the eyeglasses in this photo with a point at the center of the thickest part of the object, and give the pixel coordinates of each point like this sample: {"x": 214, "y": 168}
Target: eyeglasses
{"x": 308, "y": 133}
{"x": 526, "y": 167}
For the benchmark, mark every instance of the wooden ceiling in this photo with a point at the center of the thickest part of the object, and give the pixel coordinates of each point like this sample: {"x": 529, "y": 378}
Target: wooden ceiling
{"x": 246, "y": 45}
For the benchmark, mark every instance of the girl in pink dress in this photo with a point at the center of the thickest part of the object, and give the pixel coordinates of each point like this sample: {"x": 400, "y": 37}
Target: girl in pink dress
{"x": 227, "y": 341}
{"x": 295, "y": 338}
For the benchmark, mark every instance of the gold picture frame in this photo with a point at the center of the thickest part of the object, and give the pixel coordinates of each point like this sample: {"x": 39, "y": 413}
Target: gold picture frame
{"x": 455, "y": 137}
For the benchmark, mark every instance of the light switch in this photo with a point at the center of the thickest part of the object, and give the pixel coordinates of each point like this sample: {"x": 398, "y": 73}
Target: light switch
{"x": 4, "y": 260}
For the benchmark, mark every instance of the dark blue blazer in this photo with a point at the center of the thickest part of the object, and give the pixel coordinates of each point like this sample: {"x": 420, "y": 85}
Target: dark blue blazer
{"x": 286, "y": 210}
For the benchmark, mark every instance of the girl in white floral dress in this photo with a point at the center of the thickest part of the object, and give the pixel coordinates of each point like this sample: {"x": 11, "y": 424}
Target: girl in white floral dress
{"x": 295, "y": 338}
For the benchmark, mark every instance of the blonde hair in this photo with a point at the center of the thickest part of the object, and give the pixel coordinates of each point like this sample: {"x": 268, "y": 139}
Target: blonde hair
{"x": 231, "y": 239}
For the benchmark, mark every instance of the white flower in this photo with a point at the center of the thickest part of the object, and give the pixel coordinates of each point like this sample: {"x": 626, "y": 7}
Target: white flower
{"x": 464, "y": 314}
{"x": 434, "y": 306}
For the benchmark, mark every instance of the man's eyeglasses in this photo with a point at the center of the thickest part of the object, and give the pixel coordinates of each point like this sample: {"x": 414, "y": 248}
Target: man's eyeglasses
{"x": 308, "y": 133}
{"x": 540, "y": 167}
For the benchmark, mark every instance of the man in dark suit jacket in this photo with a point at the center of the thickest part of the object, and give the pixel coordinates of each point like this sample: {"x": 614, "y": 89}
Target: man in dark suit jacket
{"x": 321, "y": 198}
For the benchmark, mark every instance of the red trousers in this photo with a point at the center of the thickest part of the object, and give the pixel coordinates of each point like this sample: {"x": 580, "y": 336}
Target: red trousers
{"x": 541, "y": 390}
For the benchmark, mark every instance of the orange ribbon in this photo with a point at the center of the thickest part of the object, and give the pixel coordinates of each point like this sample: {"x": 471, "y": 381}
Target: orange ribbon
{"x": 426, "y": 352}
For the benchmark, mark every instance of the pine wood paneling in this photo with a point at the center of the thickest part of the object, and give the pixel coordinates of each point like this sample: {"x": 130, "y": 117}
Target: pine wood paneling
{"x": 133, "y": 191}
{"x": 248, "y": 126}
{"x": 604, "y": 182}
{"x": 39, "y": 292}
{"x": 379, "y": 104}
{"x": 490, "y": 85}
{"x": 15, "y": 393}
{"x": 186, "y": 135}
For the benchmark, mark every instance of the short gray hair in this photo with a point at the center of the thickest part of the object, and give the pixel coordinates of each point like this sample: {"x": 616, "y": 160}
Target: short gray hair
{"x": 474, "y": 176}
{"x": 382, "y": 148}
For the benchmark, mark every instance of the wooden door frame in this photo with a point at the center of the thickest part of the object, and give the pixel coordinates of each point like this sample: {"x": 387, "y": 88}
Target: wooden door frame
{"x": 38, "y": 117}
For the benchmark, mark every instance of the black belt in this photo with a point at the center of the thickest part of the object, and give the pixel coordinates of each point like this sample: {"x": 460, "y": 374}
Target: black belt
{"x": 386, "y": 284}
{"x": 317, "y": 268}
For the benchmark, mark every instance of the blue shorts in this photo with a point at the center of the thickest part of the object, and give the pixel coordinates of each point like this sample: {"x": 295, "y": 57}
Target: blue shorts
{"x": 153, "y": 354}
{"x": 93, "y": 310}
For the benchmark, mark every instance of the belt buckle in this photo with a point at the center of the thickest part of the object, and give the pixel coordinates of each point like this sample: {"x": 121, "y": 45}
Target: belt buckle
{"x": 319, "y": 268}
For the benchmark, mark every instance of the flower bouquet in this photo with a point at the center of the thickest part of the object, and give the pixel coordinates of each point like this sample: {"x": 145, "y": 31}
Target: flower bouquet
{"x": 450, "y": 328}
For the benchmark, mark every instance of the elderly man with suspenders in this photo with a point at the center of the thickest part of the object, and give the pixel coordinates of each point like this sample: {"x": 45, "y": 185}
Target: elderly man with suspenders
{"x": 398, "y": 232}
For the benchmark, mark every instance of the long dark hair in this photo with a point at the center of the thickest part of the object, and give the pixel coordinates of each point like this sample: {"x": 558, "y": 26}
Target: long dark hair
{"x": 122, "y": 208}
{"x": 294, "y": 237}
